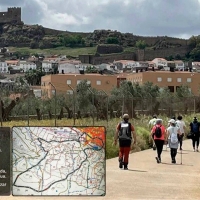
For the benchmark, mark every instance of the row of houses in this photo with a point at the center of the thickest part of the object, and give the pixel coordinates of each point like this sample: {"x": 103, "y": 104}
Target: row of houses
{"x": 64, "y": 65}
{"x": 67, "y": 83}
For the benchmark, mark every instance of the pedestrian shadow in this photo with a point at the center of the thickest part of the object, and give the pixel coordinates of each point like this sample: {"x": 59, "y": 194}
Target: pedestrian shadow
{"x": 135, "y": 170}
{"x": 164, "y": 163}
{"x": 190, "y": 151}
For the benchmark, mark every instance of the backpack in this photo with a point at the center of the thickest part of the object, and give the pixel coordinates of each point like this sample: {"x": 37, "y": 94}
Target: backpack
{"x": 125, "y": 131}
{"x": 158, "y": 131}
{"x": 195, "y": 127}
{"x": 174, "y": 137}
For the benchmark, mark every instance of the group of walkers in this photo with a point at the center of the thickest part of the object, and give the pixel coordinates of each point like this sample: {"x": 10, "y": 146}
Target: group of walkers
{"x": 172, "y": 136}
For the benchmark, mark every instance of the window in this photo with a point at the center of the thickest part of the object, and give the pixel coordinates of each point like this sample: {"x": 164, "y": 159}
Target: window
{"x": 159, "y": 79}
{"x": 169, "y": 79}
{"x": 88, "y": 82}
{"x": 171, "y": 88}
{"x": 98, "y": 82}
{"x": 189, "y": 80}
{"x": 78, "y": 81}
{"x": 69, "y": 82}
{"x": 179, "y": 80}
{"x": 69, "y": 91}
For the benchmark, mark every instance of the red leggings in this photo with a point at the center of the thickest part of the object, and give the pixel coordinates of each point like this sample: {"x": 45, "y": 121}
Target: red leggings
{"x": 124, "y": 154}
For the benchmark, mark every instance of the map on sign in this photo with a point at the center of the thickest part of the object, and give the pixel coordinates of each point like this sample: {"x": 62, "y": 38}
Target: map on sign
{"x": 59, "y": 161}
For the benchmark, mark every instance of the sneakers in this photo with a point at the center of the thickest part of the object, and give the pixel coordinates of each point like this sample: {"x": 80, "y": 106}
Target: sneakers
{"x": 174, "y": 161}
{"x": 120, "y": 164}
{"x": 197, "y": 150}
{"x": 125, "y": 167}
{"x": 158, "y": 160}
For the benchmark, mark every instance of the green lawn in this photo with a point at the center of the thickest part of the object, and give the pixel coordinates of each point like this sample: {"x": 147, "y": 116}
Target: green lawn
{"x": 74, "y": 52}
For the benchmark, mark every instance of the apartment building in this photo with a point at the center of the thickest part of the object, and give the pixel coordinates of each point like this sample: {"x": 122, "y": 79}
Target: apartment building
{"x": 3, "y": 67}
{"x": 65, "y": 83}
{"x": 172, "y": 80}
{"x": 26, "y": 66}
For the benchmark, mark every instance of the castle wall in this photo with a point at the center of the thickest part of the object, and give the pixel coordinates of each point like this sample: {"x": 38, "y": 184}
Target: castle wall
{"x": 12, "y": 15}
{"x": 153, "y": 40}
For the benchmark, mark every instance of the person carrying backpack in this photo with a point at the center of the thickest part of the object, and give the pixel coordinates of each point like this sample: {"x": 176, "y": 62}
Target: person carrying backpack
{"x": 172, "y": 136}
{"x": 158, "y": 134}
{"x": 194, "y": 128}
{"x": 125, "y": 133}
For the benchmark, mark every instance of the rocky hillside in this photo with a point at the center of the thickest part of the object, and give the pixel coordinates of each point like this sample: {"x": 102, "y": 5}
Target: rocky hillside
{"x": 37, "y": 36}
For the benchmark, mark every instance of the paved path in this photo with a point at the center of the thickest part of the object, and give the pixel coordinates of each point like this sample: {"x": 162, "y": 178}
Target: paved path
{"x": 146, "y": 179}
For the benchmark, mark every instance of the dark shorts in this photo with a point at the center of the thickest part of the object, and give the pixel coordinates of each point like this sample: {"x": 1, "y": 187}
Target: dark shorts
{"x": 124, "y": 143}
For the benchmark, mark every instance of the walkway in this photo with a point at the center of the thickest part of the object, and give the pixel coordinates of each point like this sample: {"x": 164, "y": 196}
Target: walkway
{"x": 146, "y": 179}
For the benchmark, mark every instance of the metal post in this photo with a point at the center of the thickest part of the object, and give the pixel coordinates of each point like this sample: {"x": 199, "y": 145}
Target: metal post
{"x": 132, "y": 103}
{"x": 106, "y": 105}
{"x": 74, "y": 103}
{"x": 28, "y": 103}
{"x": 55, "y": 100}
{"x": 93, "y": 104}
{"x": 1, "y": 113}
{"x": 122, "y": 104}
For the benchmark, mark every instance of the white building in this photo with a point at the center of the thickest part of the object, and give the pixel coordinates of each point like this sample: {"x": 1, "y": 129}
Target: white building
{"x": 3, "y": 67}
{"x": 70, "y": 66}
{"x": 121, "y": 64}
{"x": 25, "y": 65}
{"x": 180, "y": 65}
{"x": 161, "y": 63}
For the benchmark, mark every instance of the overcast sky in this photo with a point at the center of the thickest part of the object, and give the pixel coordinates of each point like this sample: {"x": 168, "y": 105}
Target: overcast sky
{"x": 176, "y": 18}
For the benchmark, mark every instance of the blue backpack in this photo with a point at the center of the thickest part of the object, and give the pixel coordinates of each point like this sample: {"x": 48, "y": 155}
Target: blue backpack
{"x": 195, "y": 127}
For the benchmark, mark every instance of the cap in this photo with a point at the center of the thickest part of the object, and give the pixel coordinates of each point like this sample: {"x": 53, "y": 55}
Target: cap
{"x": 172, "y": 121}
{"x": 125, "y": 116}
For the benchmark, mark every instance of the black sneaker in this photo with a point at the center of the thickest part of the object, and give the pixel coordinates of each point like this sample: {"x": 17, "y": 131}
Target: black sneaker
{"x": 158, "y": 160}
{"x": 120, "y": 164}
{"x": 125, "y": 167}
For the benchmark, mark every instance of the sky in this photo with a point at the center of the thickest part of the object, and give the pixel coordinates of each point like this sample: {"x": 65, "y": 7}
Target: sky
{"x": 173, "y": 18}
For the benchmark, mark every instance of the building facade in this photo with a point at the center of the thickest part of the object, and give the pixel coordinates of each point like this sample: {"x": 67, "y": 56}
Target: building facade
{"x": 65, "y": 83}
{"x": 3, "y": 67}
{"x": 171, "y": 80}
{"x": 26, "y": 66}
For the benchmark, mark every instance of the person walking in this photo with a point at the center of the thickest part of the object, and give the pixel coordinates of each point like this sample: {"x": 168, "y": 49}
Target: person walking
{"x": 172, "y": 136}
{"x": 195, "y": 129}
{"x": 152, "y": 123}
{"x": 182, "y": 126}
{"x": 126, "y": 135}
{"x": 158, "y": 134}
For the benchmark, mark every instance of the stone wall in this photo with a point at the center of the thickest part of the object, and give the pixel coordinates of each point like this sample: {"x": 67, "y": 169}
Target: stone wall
{"x": 95, "y": 60}
{"x": 146, "y": 55}
{"x": 109, "y": 48}
{"x": 153, "y": 40}
{"x": 13, "y": 15}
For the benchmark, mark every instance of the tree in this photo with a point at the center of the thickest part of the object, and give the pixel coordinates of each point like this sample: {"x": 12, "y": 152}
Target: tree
{"x": 33, "y": 76}
{"x": 140, "y": 44}
{"x": 112, "y": 40}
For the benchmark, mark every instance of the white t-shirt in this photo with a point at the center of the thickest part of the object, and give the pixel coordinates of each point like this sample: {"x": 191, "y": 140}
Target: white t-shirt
{"x": 181, "y": 125}
{"x": 152, "y": 122}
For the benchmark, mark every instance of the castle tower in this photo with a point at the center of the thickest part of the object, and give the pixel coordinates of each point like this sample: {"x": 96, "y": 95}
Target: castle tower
{"x": 14, "y": 14}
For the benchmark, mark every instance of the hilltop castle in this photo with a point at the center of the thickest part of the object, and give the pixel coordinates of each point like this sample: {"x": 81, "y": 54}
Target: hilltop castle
{"x": 12, "y": 16}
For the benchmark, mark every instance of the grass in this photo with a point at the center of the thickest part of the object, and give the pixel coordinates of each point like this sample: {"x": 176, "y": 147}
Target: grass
{"x": 74, "y": 52}
{"x": 141, "y": 128}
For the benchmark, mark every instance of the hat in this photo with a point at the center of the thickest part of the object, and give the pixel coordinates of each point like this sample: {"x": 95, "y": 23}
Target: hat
{"x": 125, "y": 116}
{"x": 172, "y": 121}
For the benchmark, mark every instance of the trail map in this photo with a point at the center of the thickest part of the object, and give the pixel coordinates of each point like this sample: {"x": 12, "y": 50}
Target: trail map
{"x": 59, "y": 161}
